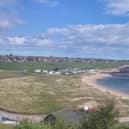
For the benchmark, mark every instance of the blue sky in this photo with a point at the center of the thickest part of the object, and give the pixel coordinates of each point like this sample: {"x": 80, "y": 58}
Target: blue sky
{"x": 74, "y": 28}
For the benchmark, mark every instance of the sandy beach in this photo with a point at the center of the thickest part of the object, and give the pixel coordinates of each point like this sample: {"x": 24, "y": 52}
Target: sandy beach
{"x": 91, "y": 81}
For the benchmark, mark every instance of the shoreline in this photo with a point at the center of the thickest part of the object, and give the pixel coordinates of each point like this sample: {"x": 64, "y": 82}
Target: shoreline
{"x": 91, "y": 81}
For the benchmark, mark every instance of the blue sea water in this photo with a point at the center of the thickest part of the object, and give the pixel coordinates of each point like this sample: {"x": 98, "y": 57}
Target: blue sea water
{"x": 116, "y": 83}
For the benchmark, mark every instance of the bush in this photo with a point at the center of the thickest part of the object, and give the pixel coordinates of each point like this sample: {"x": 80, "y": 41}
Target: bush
{"x": 29, "y": 125}
{"x": 104, "y": 118}
{"x": 60, "y": 124}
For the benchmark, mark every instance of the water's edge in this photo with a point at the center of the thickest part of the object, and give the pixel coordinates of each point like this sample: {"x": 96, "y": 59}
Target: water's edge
{"x": 116, "y": 83}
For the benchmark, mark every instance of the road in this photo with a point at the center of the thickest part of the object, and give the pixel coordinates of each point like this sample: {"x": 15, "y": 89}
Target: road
{"x": 20, "y": 117}
{"x": 38, "y": 118}
{"x": 123, "y": 120}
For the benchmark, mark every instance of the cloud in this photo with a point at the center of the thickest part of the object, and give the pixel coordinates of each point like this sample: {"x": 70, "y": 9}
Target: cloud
{"x": 49, "y": 3}
{"x": 117, "y": 7}
{"x": 9, "y": 22}
{"x": 109, "y": 40}
{"x": 26, "y": 41}
{"x": 9, "y": 11}
{"x": 16, "y": 40}
{"x": 109, "y": 34}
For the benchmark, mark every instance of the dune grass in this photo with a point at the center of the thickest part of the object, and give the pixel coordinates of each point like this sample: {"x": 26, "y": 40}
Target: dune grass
{"x": 43, "y": 94}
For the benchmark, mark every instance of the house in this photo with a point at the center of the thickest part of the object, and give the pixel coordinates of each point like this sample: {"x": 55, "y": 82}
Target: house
{"x": 50, "y": 119}
{"x": 69, "y": 116}
{"x": 91, "y": 70}
{"x": 25, "y": 71}
{"x": 37, "y": 71}
{"x": 45, "y": 71}
{"x": 51, "y": 72}
{"x": 57, "y": 73}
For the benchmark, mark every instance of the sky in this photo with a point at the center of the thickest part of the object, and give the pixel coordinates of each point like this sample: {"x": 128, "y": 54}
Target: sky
{"x": 65, "y": 28}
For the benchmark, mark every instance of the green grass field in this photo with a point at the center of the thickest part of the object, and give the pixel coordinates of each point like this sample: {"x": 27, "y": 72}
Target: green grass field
{"x": 43, "y": 94}
{"x": 49, "y": 66}
{"x": 33, "y": 93}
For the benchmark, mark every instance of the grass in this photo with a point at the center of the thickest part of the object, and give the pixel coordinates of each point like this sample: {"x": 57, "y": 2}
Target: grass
{"x": 10, "y": 74}
{"x": 43, "y": 94}
{"x": 2, "y": 126}
{"x": 33, "y": 94}
{"x": 49, "y": 66}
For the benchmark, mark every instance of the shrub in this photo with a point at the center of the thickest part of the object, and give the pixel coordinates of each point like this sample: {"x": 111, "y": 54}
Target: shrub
{"x": 103, "y": 118}
{"x": 30, "y": 125}
{"x": 60, "y": 124}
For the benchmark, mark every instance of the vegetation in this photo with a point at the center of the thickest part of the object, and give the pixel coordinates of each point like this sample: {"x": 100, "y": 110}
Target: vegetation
{"x": 104, "y": 118}
{"x": 44, "y": 94}
{"x": 59, "y": 125}
{"x": 41, "y": 94}
{"x": 30, "y": 66}
{"x": 2, "y": 126}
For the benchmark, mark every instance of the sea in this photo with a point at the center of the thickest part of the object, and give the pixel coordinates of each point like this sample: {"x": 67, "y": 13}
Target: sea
{"x": 116, "y": 83}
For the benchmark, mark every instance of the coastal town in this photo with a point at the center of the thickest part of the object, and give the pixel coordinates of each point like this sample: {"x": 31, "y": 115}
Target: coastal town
{"x": 13, "y": 58}
{"x": 63, "y": 71}
{"x": 64, "y": 64}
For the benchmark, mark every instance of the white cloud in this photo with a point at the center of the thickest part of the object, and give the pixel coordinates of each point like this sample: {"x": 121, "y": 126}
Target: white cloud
{"x": 9, "y": 22}
{"x": 41, "y": 42}
{"x": 26, "y": 41}
{"x": 9, "y": 10}
{"x": 16, "y": 40}
{"x": 109, "y": 34}
{"x": 117, "y": 7}
{"x": 77, "y": 40}
{"x": 49, "y": 3}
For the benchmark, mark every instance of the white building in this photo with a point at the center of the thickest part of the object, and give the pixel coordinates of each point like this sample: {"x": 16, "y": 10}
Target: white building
{"x": 51, "y": 72}
{"x": 92, "y": 71}
{"x": 37, "y": 70}
{"x": 45, "y": 71}
{"x": 57, "y": 73}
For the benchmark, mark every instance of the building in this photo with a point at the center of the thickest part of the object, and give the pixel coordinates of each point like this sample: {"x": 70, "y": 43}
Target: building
{"x": 37, "y": 71}
{"x": 45, "y": 71}
{"x": 50, "y": 119}
{"x": 69, "y": 116}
